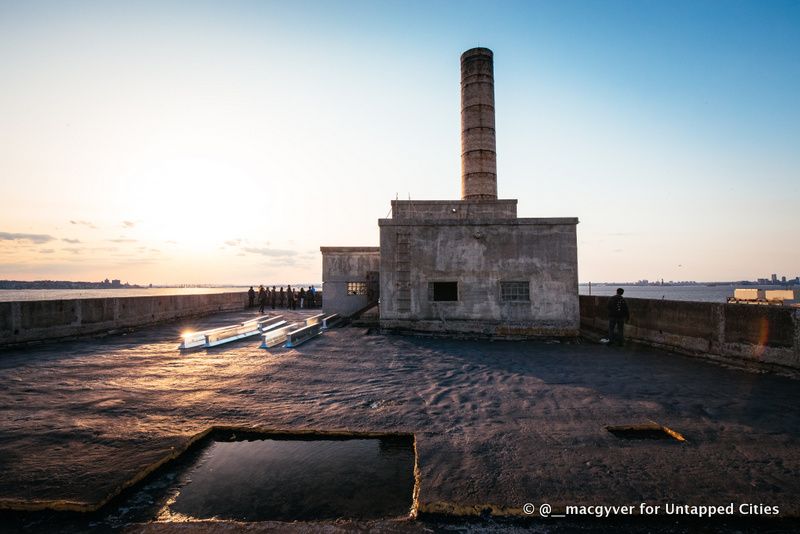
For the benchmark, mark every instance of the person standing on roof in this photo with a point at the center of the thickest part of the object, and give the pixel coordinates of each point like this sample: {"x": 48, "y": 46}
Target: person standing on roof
{"x": 289, "y": 298}
{"x": 251, "y": 297}
{"x": 618, "y": 315}
{"x": 262, "y": 298}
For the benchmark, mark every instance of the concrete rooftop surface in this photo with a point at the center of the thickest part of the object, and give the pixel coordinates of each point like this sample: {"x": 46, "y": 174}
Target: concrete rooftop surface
{"x": 498, "y": 424}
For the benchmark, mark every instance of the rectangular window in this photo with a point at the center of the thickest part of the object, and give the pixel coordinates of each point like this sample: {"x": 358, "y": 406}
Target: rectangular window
{"x": 356, "y": 288}
{"x": 515, "y": 292}
{"x": 443, "y": 291}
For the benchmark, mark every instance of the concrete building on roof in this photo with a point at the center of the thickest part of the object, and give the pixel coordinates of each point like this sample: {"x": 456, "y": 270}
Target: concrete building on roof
{"x": 468, "y": 266}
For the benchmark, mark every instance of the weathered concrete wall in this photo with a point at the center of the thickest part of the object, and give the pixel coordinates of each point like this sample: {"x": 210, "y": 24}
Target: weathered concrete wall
{"x": 479, "y": 255}
{"x": 454, "y": 209}
{"x": 750, "y": 335}
{"x": 341, "y": 265}
{"x": 27, "y": 321}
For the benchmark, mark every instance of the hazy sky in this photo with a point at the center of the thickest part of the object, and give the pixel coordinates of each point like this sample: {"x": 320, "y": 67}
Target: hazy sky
{"x": 224, "y": 142}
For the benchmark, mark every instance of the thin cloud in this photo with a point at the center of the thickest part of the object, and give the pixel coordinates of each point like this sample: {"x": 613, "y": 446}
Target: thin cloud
{"x": 71, "y": 241}
{"x": 135, "y": 261}
{"x": 122, "y": 240}
{"x": 46, "y": 251}
{"x": 233, "y": 242}
{"x": 271, "y": 252}
{"x": 286, "y": 262}
{"x": 128, "y": 224}
{"x": 33, "y": 238}
{"x": 84, "y": 223}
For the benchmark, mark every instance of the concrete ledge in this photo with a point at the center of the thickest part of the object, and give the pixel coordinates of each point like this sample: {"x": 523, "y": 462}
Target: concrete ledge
{"x": 754, "y": 337}
{"x": 549, "y": 221}
{"x": 346, "y": 250}
{"x": 48, "y": 320}
{"x": 482, "y": 329}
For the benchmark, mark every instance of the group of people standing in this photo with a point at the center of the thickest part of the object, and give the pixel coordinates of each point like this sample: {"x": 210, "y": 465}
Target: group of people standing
{"x": 290, "y": 298}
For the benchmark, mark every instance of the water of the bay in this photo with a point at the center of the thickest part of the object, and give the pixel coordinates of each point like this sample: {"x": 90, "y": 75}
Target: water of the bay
{"x": 10, "y": 295}
{"x": 694, "y": 293}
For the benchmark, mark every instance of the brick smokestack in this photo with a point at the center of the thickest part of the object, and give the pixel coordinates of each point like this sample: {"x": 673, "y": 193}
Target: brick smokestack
{"x": 478, "y": 153}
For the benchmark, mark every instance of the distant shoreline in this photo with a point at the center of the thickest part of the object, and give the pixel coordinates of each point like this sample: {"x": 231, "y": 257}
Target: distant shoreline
{"x": 26, "y": 295}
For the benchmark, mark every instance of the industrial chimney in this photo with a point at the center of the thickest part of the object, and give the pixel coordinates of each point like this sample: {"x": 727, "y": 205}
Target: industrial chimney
{"x": 478, "y": 153}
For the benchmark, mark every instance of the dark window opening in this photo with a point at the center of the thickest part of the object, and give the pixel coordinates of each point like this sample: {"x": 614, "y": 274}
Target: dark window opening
{"x": 443, "y": 291}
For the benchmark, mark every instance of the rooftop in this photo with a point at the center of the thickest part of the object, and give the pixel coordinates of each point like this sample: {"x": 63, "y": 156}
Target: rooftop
{"x": 498, "y": 424}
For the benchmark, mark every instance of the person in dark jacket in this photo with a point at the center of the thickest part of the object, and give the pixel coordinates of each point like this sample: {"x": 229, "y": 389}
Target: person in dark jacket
{"x": 289, "y": 298}
{"x": 618, "y": 315}
{"x": 262, "y": 298}
{"x": 280, "y": 298}
{"x": 251, "y": 297}
{"x": 273, "y": 295}
{"x": 303, "y": 298}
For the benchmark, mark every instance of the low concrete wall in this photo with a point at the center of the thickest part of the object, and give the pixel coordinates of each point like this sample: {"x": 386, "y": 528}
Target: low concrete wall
{"x": 39, "y": 320}
{"x": 750, "y": 335}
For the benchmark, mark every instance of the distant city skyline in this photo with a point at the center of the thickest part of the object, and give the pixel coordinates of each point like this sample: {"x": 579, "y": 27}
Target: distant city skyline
{"x": 174, "y": 143}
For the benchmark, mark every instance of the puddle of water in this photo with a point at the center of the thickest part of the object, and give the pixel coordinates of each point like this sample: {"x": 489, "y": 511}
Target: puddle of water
{"x": 646, "y": 431}
{"x": 249, "y": 477}
{"x": 296, "y": 479}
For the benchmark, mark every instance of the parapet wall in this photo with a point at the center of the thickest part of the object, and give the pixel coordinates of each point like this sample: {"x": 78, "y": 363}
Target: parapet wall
{"x": 454, "y": 209}
{"x": 39, "y": 320}
{"x": 750, "y": 335}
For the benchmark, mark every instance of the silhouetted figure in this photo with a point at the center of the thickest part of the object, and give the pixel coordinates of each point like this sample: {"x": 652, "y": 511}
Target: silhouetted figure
{"x": 251, "y": 297}
{"x": 302, "y": 298}
{"x": 262, "y": 298}
{"x": 618, "y": 315}
{"x": 272, "y": 296}
{"x": 290, "y": 298}
{"x": 280, "y": 298}
{"x": 312, "y": 296}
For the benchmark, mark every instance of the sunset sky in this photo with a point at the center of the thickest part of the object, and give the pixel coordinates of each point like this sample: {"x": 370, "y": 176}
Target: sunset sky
{"x": 225, "y": 142}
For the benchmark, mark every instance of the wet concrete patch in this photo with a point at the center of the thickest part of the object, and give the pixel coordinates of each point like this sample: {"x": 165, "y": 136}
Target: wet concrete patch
{"x": 647, "y": 431}
{"x": 294, "y": 478}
